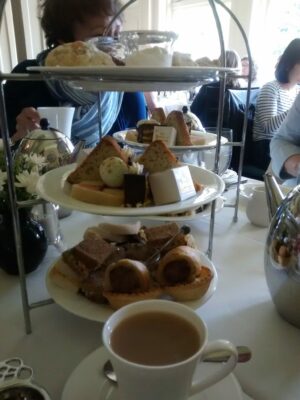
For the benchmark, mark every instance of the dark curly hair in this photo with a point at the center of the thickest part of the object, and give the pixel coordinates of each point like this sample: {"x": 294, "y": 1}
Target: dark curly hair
{"x": 289, "y": 58}
{"x": 58, "y": 16}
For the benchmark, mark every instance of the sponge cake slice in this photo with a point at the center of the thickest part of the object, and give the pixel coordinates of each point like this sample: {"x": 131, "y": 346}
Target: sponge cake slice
{"x": 158, "y": 157}
{"x": 88, "y": 170}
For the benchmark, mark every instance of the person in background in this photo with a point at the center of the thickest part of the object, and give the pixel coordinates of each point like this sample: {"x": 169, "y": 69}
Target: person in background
{"x": 285, "y": 147}
{"x": 274, "y": 101}
{"x": 245, "y": 72}
{"x": 206, "y": 106}
{"x": 66, "y": 21}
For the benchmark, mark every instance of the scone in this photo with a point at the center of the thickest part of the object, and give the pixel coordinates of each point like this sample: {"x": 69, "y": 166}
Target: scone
{"x": 77, "y": 54}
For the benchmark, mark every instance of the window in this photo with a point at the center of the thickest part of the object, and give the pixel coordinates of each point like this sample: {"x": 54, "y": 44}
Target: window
{"x": 274, "y": 31}
{"x": 194, "y": 22}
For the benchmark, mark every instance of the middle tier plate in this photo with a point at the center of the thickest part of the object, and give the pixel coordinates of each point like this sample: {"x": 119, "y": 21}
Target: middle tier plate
{"x": 53, "y": 187}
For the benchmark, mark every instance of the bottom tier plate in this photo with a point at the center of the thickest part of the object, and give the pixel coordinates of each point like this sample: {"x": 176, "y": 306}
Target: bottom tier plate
{"x": 88, "y": 382}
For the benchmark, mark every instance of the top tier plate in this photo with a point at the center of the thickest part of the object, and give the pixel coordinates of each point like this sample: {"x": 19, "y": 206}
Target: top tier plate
{"x": 132, "y": 78}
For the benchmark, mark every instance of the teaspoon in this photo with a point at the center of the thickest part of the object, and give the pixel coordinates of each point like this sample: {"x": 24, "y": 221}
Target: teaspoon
{"x": 244, "y": 355}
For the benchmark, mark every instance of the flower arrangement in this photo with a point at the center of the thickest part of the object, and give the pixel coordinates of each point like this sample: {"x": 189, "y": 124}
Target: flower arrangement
{"x": 27, "y": 170}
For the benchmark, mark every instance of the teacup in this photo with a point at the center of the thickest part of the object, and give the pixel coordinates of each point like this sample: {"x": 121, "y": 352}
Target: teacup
{"x": 257, "y": 207}
{"x": 59, "y": 118}
{"x": 155, "y": 347}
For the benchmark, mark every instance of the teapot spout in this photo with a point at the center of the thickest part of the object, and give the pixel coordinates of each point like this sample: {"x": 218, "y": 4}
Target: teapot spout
{"x": 273, "y": 193}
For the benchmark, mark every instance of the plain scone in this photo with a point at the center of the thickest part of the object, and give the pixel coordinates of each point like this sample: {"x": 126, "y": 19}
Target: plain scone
{"x": 77, "y": 54}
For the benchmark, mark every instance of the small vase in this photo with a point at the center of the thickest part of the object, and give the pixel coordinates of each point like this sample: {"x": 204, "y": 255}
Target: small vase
{"x": 33, "y": 239}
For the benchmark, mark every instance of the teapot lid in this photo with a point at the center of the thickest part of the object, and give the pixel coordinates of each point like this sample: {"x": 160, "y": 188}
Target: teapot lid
{"x": 45, "y": 132}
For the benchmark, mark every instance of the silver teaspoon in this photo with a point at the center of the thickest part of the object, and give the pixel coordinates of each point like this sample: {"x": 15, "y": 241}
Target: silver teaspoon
{"x": 185, "y": 229}
{"x": 244, "y": 355}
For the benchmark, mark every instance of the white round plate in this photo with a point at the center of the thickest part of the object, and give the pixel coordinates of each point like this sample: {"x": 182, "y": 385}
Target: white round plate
{"x": 82, "y": 307}
{"x": 210, "y": 141}
{"x": 206, "y": 211}
{"x": 53, "y": 187}
{"x": 131, "y": 78}
{"x": 88, "y": 382}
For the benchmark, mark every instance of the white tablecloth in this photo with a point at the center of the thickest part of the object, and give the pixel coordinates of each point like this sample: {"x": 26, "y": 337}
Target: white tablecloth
{"x": 241, "y": 310}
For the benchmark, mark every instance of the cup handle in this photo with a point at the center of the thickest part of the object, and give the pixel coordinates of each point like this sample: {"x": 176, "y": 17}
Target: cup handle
{"x": 222, "y": 370}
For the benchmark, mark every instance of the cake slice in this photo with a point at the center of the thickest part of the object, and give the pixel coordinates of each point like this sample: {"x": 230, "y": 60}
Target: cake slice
{"x": 176, "y": 119}
{"x": 88, "y": 255}
{"x": 88, "y": 170}
{"x": 158, "y": 157}
{"x": 159, "y": 115}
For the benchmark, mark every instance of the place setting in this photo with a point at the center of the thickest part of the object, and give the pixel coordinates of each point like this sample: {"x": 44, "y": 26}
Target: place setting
{"x": 153, "y": 357}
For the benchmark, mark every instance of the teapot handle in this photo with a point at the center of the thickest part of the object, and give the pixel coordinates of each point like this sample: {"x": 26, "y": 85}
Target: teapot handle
{"x": 273, "y": 193}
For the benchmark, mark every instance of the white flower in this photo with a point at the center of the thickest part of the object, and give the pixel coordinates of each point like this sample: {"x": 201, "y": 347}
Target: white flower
{"x": 28, "y": 180}
{"x": 36, "y": 160}
{"x": 3, "y": 178}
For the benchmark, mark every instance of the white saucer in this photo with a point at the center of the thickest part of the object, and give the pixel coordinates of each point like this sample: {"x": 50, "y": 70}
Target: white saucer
{"x": 88, "y": 382}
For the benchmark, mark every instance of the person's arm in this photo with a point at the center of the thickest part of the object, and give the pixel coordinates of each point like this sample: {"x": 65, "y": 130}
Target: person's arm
{"x": 285, "y": 145}
{"x": 26, "y": 121}
{"x": 267, "y": 110}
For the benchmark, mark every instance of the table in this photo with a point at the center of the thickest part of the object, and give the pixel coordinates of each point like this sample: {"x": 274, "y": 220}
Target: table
{"x": 241, "y": 310}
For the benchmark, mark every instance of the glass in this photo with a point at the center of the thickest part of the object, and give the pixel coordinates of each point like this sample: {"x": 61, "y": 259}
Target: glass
{"x": 148, "y": 47}
{"x": 207, "y": 157}
{"x": 111, "y": 46}
{"x": 47, "y": 215}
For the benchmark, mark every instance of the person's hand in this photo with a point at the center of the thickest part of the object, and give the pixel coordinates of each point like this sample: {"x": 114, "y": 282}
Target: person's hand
{"x": 27, "y": 120}
{"x": 292, "y": 165}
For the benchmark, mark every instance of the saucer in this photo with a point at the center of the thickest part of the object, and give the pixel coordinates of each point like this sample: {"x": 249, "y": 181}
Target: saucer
{"x": 88, "y": 382}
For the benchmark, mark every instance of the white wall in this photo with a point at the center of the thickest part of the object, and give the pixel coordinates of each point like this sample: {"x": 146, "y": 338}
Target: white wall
{"x": 8, "y": 53}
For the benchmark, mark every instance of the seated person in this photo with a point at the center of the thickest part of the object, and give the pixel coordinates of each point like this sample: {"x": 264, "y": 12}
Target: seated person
{"x": 274, "y": 101}
{"x": 245, "y": 72}
{"x": 85, "y": 20}
{"x": 285, "y": 147}
{"x": 206, "y": 108}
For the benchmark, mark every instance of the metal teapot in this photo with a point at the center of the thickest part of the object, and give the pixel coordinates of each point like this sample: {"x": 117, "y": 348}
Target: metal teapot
{"x": 282, "y": 251}
{"x": 48, "y": 142}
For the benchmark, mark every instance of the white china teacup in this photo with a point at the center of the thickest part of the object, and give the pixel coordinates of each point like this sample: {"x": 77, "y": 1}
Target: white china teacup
{"x": 161, "y": 380}
{"x": 257, "y": 207}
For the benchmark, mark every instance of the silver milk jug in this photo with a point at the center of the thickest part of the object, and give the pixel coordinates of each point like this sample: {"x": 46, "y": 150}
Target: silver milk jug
{"x": 282, "y": 251}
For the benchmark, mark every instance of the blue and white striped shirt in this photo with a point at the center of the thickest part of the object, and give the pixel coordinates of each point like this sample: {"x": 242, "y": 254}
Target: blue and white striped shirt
{"x": 272, "y": 106}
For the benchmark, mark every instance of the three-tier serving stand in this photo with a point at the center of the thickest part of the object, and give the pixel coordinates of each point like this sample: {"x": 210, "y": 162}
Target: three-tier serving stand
{"x": 113, "y": 82}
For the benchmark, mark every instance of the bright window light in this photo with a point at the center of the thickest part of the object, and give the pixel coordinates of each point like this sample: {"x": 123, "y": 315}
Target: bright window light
{"x": 195, "y": 24}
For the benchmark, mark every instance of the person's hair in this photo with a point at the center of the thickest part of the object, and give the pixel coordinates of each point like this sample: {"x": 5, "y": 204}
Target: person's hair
{"x": 287, "y": 61}
{"x": 58, "y": 16}
{"x": 254, "y": 68}
{"x": 232, "y": 60}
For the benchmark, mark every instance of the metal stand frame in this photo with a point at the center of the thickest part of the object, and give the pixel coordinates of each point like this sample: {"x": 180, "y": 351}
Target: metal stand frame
{"x": 15, "y": 205}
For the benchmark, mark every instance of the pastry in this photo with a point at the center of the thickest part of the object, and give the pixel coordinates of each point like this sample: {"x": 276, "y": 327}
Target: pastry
{"x": 193, "y": 290}
{"x": 76, "y": 54}
{"x": 118, "y": 300}
{"x": 127, "y": 276}
{"x": 180, "y": 265}
{"x": 127, "y": 281}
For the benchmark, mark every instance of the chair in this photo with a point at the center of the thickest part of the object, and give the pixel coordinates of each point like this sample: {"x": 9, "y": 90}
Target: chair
{"x": 206, "y": 106}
